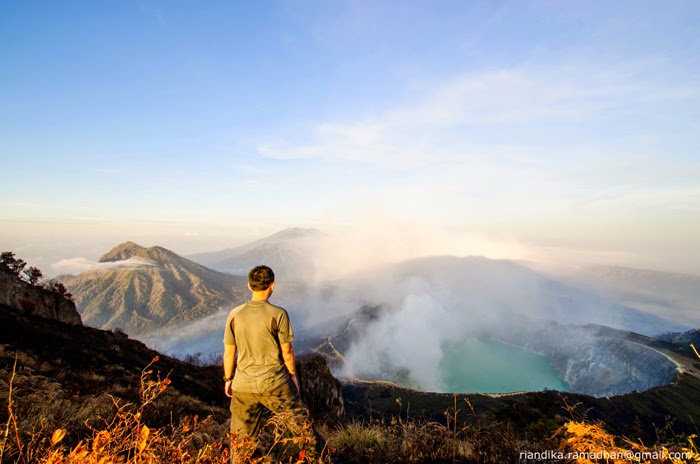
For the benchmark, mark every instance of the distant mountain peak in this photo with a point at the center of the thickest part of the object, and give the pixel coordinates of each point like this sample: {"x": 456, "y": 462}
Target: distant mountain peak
{"x": 128, "y": 250}
{"x": 122, "y": 252}
{"x": 139, "y": 289}
{"x": 285, "y": 251}
{"x": 296, "y": 232}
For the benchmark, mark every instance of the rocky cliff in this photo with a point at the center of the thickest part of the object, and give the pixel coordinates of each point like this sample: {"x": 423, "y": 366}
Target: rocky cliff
{"x": 596, "y": 360}
{"x": 36, "y": 301}
{"x": 321, "y": 392}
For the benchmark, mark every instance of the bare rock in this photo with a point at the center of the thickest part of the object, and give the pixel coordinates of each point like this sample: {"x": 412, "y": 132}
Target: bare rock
{"x": 31, "y": 299}
{"x": 320, "y": 391}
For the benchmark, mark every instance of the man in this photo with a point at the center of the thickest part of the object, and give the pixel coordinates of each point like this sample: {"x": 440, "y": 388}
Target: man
{"x": 264, "y": 375}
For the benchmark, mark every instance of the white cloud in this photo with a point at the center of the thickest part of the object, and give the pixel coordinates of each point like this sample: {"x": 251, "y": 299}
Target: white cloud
{"x": 80, "y": 265}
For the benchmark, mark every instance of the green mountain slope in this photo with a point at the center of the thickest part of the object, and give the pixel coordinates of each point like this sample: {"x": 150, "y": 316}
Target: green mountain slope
{"x": 140, "y": 289}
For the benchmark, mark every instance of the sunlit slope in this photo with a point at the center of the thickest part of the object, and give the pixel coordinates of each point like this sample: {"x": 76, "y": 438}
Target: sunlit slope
{"x": 142, "y": 289}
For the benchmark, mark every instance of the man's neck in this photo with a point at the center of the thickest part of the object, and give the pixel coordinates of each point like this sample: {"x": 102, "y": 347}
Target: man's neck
{"x": 261, "y": 296}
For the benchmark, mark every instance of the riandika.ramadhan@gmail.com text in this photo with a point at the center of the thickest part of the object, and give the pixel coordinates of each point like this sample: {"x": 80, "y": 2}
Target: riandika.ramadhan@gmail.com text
{"x": 602, "y": 455}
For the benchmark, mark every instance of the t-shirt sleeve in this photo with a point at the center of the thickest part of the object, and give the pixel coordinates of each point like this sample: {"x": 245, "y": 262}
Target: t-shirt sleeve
{"x": 229, "y": 335}
{"x": 285, "y": 334}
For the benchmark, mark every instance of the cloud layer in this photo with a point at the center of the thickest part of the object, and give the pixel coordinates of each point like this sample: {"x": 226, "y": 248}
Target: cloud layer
{"x": 78, "y": 265}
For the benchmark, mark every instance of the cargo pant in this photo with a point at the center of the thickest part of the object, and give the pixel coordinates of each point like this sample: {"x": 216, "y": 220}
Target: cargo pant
{"x": 247, "y": 409}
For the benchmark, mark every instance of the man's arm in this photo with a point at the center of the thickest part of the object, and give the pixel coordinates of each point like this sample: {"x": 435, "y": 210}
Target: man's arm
{"x": 288, "y": 356}
{"x": 229, "y": 365}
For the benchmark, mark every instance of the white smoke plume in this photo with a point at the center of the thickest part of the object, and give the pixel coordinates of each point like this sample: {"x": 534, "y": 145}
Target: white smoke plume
{"x": 435, "y": 288}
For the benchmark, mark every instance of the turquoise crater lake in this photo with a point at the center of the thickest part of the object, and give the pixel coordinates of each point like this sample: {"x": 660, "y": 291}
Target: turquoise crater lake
{"x": 477, "y": 365}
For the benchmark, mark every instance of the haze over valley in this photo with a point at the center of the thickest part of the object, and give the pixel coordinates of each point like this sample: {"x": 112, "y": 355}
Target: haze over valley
{"x": 435, "y": 323}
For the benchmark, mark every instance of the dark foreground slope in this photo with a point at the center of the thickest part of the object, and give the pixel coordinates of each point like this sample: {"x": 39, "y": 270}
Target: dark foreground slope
{"x": 57, "y": 362}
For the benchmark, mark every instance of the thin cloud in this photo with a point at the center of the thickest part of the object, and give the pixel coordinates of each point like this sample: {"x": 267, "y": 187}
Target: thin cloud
{"x": 629, "y": 196}
{"x": 461, "y": 111}
{"x": 79, "y": 265}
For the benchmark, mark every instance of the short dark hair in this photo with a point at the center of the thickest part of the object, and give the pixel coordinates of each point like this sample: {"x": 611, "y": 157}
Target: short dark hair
{"x": 260, "y": 278}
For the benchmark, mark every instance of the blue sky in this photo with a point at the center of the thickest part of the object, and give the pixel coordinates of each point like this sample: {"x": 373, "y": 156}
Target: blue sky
{"x": 198, "y": 125}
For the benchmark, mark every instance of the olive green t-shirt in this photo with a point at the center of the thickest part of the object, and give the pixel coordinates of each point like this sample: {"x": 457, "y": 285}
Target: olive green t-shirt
{"x": 257, "y": 329}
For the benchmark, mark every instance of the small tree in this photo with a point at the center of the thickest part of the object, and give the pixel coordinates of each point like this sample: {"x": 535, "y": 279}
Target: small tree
{"x": 7, "y": 257}
{"x": 33, "y": 275}
{"x": 9, "y": 261}
{"x": 58, "y": 287}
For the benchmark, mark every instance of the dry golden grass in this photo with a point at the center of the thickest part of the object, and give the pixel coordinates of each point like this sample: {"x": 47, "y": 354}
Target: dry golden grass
{"x": 585, "y": 443}
{"x": 123, "y": 438}
{"x": 412, "y": 440}
{"x": 123, "y": 435}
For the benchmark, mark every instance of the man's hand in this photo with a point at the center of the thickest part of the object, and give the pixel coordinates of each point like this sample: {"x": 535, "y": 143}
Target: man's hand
{"x": 229, "y": 366}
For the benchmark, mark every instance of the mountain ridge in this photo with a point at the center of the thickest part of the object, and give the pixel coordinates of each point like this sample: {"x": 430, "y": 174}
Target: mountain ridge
{"x": 284, "y": 251}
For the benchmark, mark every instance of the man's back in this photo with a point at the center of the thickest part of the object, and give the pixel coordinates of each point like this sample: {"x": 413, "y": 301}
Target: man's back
{"x": 258, "y": 328}
{"x": 261, "y": 335}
